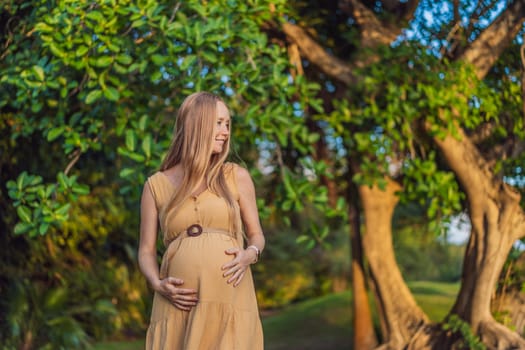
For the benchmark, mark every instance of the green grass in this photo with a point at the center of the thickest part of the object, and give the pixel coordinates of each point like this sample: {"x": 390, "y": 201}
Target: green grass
{"x": 325, "y": 323}
{"x": 321, "y": 323}
{"x": 435, "y": 298}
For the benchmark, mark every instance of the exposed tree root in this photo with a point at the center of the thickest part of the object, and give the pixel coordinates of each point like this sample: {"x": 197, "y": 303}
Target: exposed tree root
{"x": 498, "y": 337}
{"x": 432, "y": 337}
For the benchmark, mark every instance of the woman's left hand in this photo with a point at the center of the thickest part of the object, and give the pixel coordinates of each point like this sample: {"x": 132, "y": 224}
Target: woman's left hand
{"x": 236, "y": 268}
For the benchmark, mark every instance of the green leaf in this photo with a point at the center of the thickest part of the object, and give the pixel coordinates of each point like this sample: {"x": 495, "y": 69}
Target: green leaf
{"x": 142, "y": 122}
{"x": 93, "y": 96}
{"x": 287, "y": 205}
{"x": 124, "y": 59}
{"x": 138, "y": 23}
{"x": 310, "y": 245}
{"x": 81, "y": 51}
{"x": 137, "y": 157}
{"x": 104, "y": 61}
{"x": 57, "y": 51}
{"x": 302, "y": 238}
{"x": 55, "y": 298}
{"x": 64, "y": 209}
{"x": 156, "y": 76}
{"x": 95, "y": 15}
{"x": 24, "y": 213}
{"x": 21, "y": 181}
{"x": 54, "y": 133}
{"x": 126, "y": 172}
{"x": 44, "y": 27}
{"x": 42, "y": 229}
{"x": 62, "y": 180}
{"x": 111, "y": 94}
{"x": 22, "y": 227}
{"x": 80, "y": 189}
{"x": 130, "y": 140}
{"x": 188, "y": 62}
{"x": 209, "y": 56}
{"x": 146, "y": 145}
{"x": 39, "y": 72}
{"x": 159, "y": 60}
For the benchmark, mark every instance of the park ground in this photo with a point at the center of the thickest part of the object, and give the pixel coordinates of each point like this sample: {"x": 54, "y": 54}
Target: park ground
{"x": 325, "y": 323}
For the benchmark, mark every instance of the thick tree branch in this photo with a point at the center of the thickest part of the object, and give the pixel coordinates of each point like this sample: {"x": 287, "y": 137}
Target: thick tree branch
{"x": 510, "y": 148}
{"x": 373, "y": 32}
{"x": 330, "y": 65}
{"x": 481, "y": 9}
{"x": 486, "y": 49}
{"x": 482, "y": 132}
{"x": 295, "y": 60}
{"x": 403, "y": 10}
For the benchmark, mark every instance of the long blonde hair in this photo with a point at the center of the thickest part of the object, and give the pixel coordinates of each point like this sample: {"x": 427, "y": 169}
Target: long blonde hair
{"x": 192, "y": 148}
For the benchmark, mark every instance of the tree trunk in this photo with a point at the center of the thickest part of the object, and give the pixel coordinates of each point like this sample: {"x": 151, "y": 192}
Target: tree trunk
{"x": 497, "y": 221}
{"x": 400, "y": 315}
{"x": 496, "y": 216}
{"x": 364, "y": 335}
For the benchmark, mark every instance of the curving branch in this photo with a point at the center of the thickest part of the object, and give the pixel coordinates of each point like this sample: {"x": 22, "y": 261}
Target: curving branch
{"x": 373, "y": 32}
{"x": 488, "y": 46}
{"x": 330, "y": 65}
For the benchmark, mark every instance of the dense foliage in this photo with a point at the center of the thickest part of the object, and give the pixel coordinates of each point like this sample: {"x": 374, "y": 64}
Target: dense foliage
{"x": 89, "y": 92}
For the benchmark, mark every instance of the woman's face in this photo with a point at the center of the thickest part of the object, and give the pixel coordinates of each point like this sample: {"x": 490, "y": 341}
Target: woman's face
{"x": 222, "y": 127}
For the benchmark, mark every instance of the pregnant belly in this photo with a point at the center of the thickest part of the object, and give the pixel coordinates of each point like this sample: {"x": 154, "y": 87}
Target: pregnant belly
{"x": 198, "y": 261}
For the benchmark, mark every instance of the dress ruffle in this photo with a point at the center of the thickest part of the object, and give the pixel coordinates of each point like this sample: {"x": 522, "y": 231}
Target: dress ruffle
{"x": 232, "y": 329}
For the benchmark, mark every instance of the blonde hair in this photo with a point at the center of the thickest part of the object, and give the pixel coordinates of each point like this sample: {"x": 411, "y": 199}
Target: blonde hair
{"x": 192, "y": 148}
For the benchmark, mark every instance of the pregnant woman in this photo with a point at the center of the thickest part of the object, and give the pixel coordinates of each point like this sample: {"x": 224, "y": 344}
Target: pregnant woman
{"x": 206, "y": 208}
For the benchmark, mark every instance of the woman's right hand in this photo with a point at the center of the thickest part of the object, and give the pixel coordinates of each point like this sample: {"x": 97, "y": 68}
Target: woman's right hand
{"x": 182, "y": 298}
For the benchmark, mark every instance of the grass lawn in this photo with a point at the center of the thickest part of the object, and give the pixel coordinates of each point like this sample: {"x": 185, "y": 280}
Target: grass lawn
{"x": 435, "y": 298}
{"x": 325, "y": 323}
{"x": 321, "y": 323}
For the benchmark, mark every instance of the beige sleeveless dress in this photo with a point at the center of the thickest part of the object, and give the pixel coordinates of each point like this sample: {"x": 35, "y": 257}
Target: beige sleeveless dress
{"x": 225, "y": 317}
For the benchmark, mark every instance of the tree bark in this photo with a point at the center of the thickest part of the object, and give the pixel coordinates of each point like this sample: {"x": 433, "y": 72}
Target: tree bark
{"x": 373, "y": 33}
{"x": 364, "y": 335}
{"x": 310, "y": 49}
{"x": 400, "y": 315}
{"x": 495, "y": 215}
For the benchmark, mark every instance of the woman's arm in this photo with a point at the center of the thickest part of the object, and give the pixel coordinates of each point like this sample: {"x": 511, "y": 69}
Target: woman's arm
{"x": 249, "y": 211}
{"x": 250, "y": 217}
{"x": 182, "y": 298}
